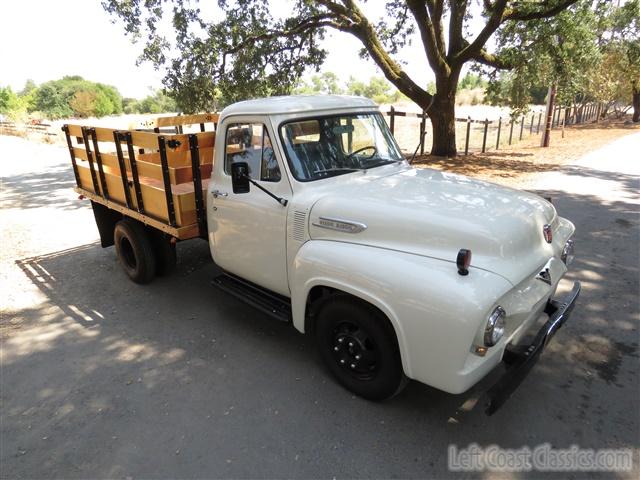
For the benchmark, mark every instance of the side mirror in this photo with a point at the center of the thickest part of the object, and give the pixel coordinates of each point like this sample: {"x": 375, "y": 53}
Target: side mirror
{"x": 240, "y": 177}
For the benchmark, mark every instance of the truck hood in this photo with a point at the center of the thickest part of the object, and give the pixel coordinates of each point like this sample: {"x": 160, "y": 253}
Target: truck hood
{"x": 435, "y": 214}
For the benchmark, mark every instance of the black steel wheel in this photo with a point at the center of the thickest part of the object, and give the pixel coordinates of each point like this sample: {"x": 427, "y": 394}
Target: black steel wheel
{"x": 135, "y": 250}
{"x": 359, "y": 347}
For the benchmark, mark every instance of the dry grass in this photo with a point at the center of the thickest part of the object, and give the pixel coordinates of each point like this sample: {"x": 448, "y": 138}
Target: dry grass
{"x": 514, "y": 166}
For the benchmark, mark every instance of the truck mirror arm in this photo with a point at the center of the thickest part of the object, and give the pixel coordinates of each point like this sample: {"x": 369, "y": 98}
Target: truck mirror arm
{"x": 280, "y": 200}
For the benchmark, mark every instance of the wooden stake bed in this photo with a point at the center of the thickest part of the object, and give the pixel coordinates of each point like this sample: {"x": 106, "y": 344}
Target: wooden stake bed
{"x": 157, "y": 178}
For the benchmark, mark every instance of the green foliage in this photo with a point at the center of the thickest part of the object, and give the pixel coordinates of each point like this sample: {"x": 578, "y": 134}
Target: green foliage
{"x": 8, "y": 100}
{"x": 590, "y": 51}
{"x": 378, "y": 89}
{"x": 471, "y": 81}
{"x": 158, "y": 102}
{"x": 74, "y": 96}
{"x": 326, "y": 82}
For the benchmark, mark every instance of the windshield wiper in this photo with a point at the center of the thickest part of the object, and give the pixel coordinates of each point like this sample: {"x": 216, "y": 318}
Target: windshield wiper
{"x": 384, "y": 161}
{"x": 337, "y": 170}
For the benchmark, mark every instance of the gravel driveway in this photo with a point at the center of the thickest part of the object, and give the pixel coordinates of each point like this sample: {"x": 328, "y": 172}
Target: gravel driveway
{"x": 104, "y": 378}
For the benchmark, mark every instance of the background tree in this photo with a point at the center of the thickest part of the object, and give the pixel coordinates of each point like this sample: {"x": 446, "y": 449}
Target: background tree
{"x": 326, "y": 82}
{"x": 251, "y": 52}
{"x": 592, "y": 53}
{"x": 75, "y": 96}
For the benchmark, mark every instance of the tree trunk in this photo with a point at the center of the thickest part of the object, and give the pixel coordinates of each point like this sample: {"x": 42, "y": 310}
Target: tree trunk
{"x": 636, "y": 103}
{"x": 443, "y": 116}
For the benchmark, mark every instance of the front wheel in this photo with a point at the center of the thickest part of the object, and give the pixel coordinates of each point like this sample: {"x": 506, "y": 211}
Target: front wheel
{"x": 359, "y": 347}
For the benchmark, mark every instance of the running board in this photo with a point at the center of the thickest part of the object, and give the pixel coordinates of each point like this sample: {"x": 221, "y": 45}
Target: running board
{"x": 274, "y": 305}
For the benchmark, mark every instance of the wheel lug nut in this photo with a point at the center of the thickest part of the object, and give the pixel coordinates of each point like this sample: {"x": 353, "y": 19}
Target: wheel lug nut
{"x": 353, "y": 365}
{"x": 357, "y": 357}
{"x": 351, "y": 344}
{"x": 336, "y": 348}
{"x": 342, "y": 361}
{"x": 341, "y": 339}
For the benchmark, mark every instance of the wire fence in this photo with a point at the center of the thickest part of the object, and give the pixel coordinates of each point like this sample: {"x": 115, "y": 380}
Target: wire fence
{"x": 480, "y": 135}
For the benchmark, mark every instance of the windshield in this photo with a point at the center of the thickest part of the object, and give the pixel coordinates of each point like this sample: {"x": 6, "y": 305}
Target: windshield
{"x": 327, "y": 146}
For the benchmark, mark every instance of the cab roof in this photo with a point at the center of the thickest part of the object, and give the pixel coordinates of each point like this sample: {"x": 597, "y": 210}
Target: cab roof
{"x": 297, "y": 104}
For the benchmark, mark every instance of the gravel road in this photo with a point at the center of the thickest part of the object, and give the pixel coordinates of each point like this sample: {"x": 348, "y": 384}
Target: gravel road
{"x": 102, "y": 378}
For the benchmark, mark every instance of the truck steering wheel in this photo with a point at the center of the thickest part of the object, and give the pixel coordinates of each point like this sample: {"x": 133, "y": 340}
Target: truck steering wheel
{"x": 350, "y": 156}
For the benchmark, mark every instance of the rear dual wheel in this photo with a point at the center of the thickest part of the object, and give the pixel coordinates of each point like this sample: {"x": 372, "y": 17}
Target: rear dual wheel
{"x": 135, "y": 251}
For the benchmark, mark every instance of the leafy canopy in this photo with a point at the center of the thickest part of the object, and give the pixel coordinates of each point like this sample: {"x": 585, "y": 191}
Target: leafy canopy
{"x": 248, "y": 50}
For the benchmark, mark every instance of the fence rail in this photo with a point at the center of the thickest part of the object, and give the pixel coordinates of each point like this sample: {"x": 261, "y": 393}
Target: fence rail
{"x": 484, "y": 134}
{"x": 13, "y": 128}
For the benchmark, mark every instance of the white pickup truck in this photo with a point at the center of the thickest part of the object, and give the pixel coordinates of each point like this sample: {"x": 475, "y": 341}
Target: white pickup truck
{"x": 316, "y": 218}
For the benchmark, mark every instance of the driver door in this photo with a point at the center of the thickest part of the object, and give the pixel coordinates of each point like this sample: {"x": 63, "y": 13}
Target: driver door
{"x": 249, "y": 229}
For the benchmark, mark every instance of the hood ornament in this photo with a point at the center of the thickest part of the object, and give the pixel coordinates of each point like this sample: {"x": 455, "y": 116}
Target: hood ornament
{"x": 340, "y": 225}
{"x": 544, "y": 276}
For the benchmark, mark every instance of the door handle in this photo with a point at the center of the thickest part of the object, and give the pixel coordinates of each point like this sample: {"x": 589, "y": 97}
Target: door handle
{"x": 218, "y": 193}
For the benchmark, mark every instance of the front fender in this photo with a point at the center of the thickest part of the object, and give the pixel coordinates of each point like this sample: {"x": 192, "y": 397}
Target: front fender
{"x": 434, "y": 311}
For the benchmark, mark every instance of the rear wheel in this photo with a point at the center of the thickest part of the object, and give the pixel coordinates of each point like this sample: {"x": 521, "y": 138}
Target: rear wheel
{"x": 359, "y": 347}
{"x": 135, "y": 251}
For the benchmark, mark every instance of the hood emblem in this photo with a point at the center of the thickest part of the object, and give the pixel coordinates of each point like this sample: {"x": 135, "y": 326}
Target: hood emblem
{"x": 547, "y": 232}
{"x": 545, "y": 276}
{"x": 340, "y": 225}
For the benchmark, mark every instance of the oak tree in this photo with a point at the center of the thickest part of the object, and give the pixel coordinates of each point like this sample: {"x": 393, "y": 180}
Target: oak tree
{"x": 250, "y": 51}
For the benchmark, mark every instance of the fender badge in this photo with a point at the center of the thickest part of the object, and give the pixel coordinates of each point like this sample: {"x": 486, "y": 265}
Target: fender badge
{"x": 346, "y": 226}
{"x": 544, "y": 276}
{"x": 547, "y": 232}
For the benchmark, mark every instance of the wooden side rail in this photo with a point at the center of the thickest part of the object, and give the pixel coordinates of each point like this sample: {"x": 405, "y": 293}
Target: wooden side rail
{"x": 154, "y": 175}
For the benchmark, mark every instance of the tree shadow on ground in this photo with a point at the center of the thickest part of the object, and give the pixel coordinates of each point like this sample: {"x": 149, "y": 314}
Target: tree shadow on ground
{"x": 52, "y": 187}
{"x": 502, "y": 164}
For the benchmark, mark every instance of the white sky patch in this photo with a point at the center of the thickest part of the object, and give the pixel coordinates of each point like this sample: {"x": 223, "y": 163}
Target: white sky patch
{"x": 45, "y": 40}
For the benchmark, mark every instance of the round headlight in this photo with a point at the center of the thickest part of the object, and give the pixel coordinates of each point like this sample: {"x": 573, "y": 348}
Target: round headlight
{"x": 494, "y": 330}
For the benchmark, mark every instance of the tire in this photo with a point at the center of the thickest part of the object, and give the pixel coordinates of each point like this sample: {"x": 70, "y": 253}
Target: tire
{"x": 135, "y": 251}
{"x": 358, "y": 345}
{"x": 164, "y": 251}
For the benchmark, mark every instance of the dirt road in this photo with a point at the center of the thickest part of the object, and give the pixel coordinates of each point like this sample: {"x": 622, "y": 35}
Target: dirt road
{"x": 104, "y": 378}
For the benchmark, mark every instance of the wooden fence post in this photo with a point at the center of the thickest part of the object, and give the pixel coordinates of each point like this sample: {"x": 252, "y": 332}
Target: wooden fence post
{"x": 539, "y": 120}
{"x": 484, "y": 135}
{"x": 423, "y": 131}
{"x": 466, "y": 142}
{"x": 392, "y": 114}
{"x": 533, "y": 116}
{"x": 521, "y": 127}
{"x": 498, "y": 136}
{"x": 511, "y": 131}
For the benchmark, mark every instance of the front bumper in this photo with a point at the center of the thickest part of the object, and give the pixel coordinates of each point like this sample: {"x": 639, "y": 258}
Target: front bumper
{"x": 520, "y": 359}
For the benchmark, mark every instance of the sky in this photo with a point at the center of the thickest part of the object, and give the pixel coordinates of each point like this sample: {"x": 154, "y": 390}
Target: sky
{"x": 47, "y": 39}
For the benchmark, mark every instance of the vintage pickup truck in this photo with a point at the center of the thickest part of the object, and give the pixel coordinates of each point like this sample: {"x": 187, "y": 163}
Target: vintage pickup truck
{"x": 316, "y": 218}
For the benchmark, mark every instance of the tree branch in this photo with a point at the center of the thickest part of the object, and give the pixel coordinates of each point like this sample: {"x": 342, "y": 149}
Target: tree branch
{"x": 365, "y": 32}
{"x": 428, "y": 36}
{"x": 513, "y": 14}
{"x": 435, "y": 12}
{"x": 456, "y": 42}
{"x": 473, "y": 49}
{"x": 491, "y": 60}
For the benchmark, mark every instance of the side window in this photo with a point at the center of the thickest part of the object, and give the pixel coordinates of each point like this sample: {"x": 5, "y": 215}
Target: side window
{"x": 250, "y": 142}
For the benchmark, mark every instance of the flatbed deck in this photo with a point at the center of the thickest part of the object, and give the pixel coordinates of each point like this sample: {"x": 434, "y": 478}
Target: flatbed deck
{"x": 156, "y": 177}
